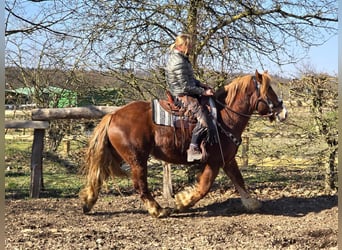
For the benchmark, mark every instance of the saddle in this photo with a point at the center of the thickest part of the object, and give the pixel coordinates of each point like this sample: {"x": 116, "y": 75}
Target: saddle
{"x": 171, "y": 107}
{"x": 169, "y": 113}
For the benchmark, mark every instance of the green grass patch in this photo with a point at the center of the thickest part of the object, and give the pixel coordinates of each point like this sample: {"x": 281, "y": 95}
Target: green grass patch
{"x": 60, "y": 177}
{"x": 55, "y": 184}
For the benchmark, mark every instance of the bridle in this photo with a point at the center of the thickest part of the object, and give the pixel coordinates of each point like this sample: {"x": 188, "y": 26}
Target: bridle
{"x": 269, "y": 103}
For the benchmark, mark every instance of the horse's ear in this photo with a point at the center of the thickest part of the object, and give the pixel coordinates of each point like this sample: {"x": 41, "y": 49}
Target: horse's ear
{"x": 258, "y": 76}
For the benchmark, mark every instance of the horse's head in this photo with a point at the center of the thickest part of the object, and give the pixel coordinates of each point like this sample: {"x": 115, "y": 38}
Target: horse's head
{"x": 266, "y": 101}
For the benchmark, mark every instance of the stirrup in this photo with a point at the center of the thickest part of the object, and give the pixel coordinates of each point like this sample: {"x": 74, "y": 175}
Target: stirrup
{"x": 193, "y": 155}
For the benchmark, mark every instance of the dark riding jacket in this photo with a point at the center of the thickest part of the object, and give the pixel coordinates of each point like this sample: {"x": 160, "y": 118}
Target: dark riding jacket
{"x": 180, "y": 75}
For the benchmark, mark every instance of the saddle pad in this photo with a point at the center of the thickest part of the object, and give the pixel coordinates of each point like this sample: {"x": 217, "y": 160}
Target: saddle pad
{"x": 160, "y": 116}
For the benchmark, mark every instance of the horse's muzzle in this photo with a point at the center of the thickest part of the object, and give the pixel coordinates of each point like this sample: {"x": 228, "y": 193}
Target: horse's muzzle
{"x": 282, "y": 115}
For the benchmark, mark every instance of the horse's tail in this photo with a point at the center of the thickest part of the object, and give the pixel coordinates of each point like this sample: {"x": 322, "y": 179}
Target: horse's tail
{"x": 101, "y": 162}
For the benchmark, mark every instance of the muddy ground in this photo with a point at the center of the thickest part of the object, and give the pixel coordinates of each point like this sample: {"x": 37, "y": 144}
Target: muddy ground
{"x": 287, "y": 220}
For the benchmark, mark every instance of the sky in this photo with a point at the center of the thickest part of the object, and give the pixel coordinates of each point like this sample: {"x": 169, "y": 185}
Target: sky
{"x": 320, "y": 59}
{"x": 325, "y": 57}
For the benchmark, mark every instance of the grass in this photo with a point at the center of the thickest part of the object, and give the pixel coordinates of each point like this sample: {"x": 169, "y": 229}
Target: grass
{"x": 58, "y": 180}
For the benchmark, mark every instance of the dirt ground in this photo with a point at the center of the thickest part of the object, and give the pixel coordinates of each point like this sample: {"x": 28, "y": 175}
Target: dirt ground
{"x": 286, "y": 221}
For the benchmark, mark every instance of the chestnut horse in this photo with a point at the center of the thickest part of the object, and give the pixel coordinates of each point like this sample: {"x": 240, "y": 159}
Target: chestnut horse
{"x": 129, "y": 135}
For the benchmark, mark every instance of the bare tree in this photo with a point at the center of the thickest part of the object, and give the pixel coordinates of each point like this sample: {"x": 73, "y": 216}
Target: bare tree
{"x": 41, "y": 45}
{"x": 228, "y": 35}
{"x": 321, "y": 91}
{"x": 129, "y": 39}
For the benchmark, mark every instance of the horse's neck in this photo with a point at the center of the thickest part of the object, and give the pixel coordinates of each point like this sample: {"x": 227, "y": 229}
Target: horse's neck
{"x": 236, "y": 118}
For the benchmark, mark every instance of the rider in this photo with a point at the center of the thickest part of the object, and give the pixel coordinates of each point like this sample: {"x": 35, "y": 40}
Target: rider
{"x": 186, "y": 89}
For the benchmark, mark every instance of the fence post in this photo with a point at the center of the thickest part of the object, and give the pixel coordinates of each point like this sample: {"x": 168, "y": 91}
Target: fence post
{"x": 66, "y": 146}
{"x": 244, "y": 150}
{"x": 167, "y": 181}
{"x": 37, "y": 163}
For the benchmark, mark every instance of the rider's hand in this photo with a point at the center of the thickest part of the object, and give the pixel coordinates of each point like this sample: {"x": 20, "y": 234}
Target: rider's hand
{"x": 208, "y": 92}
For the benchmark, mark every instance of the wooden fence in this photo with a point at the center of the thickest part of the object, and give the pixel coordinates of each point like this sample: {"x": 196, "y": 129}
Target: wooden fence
{"x": 40, "y": 122}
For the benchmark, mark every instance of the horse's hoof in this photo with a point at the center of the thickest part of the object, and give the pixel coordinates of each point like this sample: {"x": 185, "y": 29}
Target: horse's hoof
{"x": 86, "y": 209}
{"x": 251, "y": 204}
{"x": 165, "y": 212}
{"x": 184, "y": 199}
{"x": 180, "y": 207}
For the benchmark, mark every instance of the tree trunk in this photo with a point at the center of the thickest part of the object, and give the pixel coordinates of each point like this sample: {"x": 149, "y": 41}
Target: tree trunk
{"x": 331, "y": 171}
{"x": 192, "y": 30}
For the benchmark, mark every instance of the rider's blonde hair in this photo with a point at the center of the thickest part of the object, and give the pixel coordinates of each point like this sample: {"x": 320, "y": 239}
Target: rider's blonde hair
{"x": 182, "y": 40}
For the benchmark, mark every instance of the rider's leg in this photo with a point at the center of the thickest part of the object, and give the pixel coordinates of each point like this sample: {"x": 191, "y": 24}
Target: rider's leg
{"x": 200, "y": 130}
{"x": 194, "y": 152}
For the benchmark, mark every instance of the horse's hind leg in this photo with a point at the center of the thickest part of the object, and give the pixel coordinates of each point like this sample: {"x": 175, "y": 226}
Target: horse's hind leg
{"x": 139, "y": 177}
{"x": 233, "y": 172}
{"x": 90, "y": 193}
{"x": 188, "y": 198}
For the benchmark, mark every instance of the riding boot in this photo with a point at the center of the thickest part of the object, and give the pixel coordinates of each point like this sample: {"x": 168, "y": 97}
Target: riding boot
{"x": 211, "y": 135}
{"x": 194, "y": 153}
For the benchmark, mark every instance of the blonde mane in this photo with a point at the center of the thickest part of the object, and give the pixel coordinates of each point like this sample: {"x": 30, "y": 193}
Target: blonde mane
{"x": 240, "y": 86}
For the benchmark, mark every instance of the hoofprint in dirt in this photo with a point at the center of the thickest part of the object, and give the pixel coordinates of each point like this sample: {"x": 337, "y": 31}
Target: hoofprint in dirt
{"x": 219, "y": 221}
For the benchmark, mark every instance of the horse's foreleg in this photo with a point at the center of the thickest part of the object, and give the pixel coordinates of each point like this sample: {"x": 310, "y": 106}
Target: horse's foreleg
{"x": 233, "y": 172}
{"x": 187, "y": 198}
{"x": 139, "y": 175}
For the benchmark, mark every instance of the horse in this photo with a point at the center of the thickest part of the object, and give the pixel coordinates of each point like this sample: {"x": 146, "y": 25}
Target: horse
{"x": 129, "y": 135}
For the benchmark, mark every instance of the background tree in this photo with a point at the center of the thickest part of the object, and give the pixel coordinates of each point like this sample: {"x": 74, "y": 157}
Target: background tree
{"x": 41, "y": 45}
{"x": 321, "y": 92}
{"x": 133, "y": 36}
{"x": 229, "y": 36}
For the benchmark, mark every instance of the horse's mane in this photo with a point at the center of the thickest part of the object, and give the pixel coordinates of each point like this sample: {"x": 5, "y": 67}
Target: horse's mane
{"x": 240, "y": 85}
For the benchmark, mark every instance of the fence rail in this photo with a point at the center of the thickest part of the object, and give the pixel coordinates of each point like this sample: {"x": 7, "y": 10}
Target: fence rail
{"x": 27, "y": 124}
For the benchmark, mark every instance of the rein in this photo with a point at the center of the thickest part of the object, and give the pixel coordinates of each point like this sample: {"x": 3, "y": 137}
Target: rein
{"x": 238, "y": 113}
{"x": 241, "y": 114}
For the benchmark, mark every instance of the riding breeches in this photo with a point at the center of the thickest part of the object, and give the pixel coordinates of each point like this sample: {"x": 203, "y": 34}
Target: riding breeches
{"x": 202, "y": 115}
